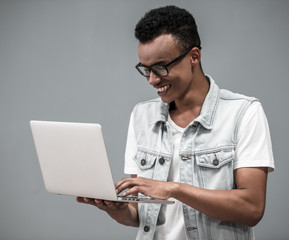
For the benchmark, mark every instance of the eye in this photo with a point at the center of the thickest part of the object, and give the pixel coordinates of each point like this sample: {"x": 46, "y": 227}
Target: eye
{"x": 159, "y": 67}
{"x": 160, "y": 70}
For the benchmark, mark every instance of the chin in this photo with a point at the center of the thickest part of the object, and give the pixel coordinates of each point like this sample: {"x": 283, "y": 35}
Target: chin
{"x": 166, "y": 100}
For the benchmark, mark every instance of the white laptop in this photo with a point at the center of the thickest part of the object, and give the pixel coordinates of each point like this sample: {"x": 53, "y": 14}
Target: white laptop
{"x": 73, "y": 161}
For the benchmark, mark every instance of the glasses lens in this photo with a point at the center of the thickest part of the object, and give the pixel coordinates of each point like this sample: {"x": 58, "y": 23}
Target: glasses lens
{"x": 160, "y": 70}
{"x": 143, "y": 70}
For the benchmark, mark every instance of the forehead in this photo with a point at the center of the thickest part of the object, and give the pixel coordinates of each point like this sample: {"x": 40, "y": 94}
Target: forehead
{"x": 160, "y": 49}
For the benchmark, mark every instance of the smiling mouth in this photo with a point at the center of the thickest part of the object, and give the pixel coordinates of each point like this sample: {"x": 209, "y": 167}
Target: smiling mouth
{"x": 163, "y": 89}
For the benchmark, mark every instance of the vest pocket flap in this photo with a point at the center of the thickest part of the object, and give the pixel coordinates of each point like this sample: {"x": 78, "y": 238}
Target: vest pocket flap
{"x": 145, "y": 160}
{"x": 215, "y": 159}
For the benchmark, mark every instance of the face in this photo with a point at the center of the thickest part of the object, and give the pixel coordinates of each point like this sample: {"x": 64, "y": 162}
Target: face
{"x": 177, "y": 84}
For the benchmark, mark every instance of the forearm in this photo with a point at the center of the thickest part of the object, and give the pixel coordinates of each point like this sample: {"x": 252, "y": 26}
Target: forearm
{"x": 245, "y": 204}
{"x": 226, "y": 205}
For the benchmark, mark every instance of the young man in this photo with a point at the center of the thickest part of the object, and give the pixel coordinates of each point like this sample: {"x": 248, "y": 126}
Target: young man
{"x": 206, "y": 147}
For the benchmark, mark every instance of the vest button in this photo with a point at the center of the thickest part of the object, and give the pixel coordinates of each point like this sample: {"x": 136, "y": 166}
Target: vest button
{"x": 216, "y": 162}
{"x": 161, "y": 161}
{"x": 191, "y": 228}
{"x": 146, "y": 228}
{"x": 185, "y": 158}
{"x": 143, "y": 162}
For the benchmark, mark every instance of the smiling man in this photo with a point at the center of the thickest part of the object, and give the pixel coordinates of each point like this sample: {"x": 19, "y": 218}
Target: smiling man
{"x": 207, "y": 148}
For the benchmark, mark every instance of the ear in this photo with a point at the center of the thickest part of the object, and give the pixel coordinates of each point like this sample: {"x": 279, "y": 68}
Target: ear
{"x": 196, "y": 55}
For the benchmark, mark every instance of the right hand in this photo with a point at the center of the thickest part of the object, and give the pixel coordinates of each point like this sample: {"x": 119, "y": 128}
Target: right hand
{"x": 117, "y": 210}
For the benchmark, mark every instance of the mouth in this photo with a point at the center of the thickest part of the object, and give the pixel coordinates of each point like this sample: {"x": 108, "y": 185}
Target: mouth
{"x": 163, "y": 89}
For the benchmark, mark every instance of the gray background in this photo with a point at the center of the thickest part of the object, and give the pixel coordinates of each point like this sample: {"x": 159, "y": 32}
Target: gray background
{"x": 74, "y": 61}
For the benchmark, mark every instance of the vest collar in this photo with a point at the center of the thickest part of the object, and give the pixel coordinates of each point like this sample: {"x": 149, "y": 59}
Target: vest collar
{"x": 207, "y": 115}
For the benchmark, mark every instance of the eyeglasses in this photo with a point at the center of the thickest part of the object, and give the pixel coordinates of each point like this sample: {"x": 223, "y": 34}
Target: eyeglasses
{"x": 160, "y": 70}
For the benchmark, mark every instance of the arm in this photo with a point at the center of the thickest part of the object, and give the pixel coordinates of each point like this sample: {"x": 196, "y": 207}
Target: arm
{"x": 245, "y": 204}
{"x": 124, "y": 213}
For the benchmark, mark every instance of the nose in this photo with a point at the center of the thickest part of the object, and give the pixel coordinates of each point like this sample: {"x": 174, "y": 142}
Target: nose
{"x": 153, "y": 79}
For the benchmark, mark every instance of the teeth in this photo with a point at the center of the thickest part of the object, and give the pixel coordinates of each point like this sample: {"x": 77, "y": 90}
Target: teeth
{"x": 163, "y": 89}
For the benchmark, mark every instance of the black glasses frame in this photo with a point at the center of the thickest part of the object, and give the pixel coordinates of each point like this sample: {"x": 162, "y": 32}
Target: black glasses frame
{"x": 164, "y": 66}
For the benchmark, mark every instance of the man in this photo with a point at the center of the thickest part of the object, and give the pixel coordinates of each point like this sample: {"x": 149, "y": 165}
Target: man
{"x": 206, "y": 147}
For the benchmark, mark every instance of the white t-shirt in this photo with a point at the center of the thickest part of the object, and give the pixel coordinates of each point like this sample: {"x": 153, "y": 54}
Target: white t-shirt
{"x": 254, "y": 149}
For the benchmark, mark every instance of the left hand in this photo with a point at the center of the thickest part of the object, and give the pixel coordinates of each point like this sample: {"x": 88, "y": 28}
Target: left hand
{"x": 146, "y": 186}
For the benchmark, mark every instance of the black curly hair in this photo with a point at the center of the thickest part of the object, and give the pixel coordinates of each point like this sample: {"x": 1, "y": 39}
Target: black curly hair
{"x": 169, "y": 20}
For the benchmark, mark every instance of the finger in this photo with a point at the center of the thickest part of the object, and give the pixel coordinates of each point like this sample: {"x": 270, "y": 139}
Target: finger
{"x": 80, "y": 199}
{"x": 84, "y": 200}
{"x": 111, "y": 205}
{"x": 134, "y": 191}
{"x": 95, "y": 202}
{"x": 108, "y": 203}
{"x": 121, "y": 182}
{"x": 100, "y": 204}
{"x": 129, "y": 183}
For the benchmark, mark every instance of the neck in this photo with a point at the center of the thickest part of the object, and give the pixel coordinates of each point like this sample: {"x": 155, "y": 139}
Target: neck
{"x": 195, "y": 96}
{"x": 184, "y": 111}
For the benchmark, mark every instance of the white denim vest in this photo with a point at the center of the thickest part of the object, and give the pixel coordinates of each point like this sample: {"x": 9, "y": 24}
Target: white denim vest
{"x": 207, "y": 151}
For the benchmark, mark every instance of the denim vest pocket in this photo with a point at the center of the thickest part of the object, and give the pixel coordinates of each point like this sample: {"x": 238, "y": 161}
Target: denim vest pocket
{"x": 146, "y": 162}
{"x": 216, "y": 169}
